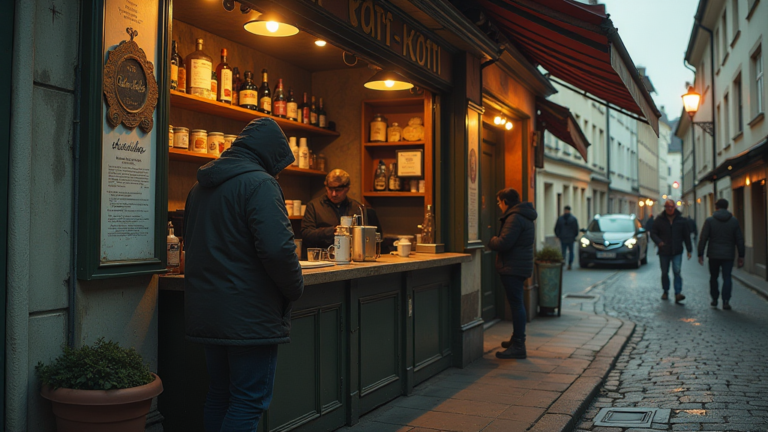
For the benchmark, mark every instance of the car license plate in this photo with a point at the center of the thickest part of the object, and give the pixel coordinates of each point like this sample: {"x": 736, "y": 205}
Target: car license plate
{"x": 606, "y": 254}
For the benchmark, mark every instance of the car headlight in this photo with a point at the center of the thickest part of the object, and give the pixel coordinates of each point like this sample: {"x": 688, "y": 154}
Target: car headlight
{"x": 630, "y": 243}
{"x": 584, "y": 242}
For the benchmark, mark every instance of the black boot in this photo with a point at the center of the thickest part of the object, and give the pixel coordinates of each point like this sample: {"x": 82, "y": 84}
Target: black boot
{"x": 507, "y": 344}
{"x": 516, "y": 351}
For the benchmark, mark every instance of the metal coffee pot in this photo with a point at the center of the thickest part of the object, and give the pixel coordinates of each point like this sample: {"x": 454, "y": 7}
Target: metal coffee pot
{"x": 366, "y": 243}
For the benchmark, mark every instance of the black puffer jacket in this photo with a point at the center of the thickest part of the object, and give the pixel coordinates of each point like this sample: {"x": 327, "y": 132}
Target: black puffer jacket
{"x": 514, "y": 243}
{"x": 723, "y": 233}
{"x": 567, "y": 228}
{"x": 242, "y": 271}
{"x": 673, "y": 235}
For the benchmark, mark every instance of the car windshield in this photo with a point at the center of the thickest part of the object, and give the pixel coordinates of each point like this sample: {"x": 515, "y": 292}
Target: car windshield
{"x": 609, "y": 224}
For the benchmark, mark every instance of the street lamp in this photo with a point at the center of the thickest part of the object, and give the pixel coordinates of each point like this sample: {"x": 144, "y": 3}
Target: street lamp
{"x": 691, "y": 102}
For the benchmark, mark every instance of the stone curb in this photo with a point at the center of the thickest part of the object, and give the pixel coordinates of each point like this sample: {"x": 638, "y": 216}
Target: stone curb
{"x": 744, "y": 281}
{"x": 563, "y": 414}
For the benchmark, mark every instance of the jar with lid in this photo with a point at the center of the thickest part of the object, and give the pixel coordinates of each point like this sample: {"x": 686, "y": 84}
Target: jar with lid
{"x": 215, "y": 143}
{"x": 181, "y": 138}
{"x": 199, "y": 140}
{"x": 320, "y": 165}
{"x": 394, "y": 133}
{"x": 415, "y": 130}
{"x": 378, "y": 129}
{"x": 228, "y": 140}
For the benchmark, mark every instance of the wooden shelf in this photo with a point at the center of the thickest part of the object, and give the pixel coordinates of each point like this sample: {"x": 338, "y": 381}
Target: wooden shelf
{"x": 203, "y": 158}
{"x": 393, "y": 194}
{"x": 394, "y": 144}
{"x": 207, "y": 106}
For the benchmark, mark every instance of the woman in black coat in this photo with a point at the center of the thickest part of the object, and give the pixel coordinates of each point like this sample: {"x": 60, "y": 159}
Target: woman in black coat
{"x": 514, "y": 262}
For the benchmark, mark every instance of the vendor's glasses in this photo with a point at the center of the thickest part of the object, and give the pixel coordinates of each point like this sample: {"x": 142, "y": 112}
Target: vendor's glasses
{"x": 337, "y": 189}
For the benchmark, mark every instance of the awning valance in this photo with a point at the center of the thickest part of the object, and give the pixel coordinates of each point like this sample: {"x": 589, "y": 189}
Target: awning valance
{"x": 559, "y": 121}
{"x": 740, "y": 161}
{"x": 578, "y": 44}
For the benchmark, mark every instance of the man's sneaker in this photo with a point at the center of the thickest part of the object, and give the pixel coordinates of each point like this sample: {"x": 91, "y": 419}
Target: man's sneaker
{"x": 714, "y": 303}
{"x": 665, "y": 296}
{"x": 679, "y": 298}
{"x": 726, "y": 305}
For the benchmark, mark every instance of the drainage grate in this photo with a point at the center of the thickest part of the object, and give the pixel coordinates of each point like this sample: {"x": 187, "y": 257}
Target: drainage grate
{"x": 579, "y": 296}
{"x": 631, "y": 417}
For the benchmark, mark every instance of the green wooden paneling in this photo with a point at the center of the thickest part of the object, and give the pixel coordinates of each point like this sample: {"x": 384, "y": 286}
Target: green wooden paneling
{"x": 426, "y": 326}
{"x": 330, "y": 359}
{"x": 379, "y": 341}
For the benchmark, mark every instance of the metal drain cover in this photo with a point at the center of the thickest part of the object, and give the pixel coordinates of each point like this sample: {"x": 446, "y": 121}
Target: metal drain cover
{"x": 631, "y": 417}
{"x": 581, "y": 296}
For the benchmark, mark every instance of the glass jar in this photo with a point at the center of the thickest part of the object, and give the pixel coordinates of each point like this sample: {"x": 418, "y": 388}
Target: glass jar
{"x": 215, "y": 143}
{"x": 320, "y": 162}
{"x": 378, "y": 129}
{"x": 181, "y": 138}
{"x": 414, "y": 131}
{"x": 394, "y": 133}
{"x": 228, "y": 140}
{"x": 199, "y": 141}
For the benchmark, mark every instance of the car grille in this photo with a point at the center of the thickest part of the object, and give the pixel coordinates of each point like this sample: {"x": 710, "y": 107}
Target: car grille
{"x": 602, "y": 246}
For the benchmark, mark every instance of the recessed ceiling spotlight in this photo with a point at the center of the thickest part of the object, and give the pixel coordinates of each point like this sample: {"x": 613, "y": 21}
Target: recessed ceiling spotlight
{"x": 320, "y": 43}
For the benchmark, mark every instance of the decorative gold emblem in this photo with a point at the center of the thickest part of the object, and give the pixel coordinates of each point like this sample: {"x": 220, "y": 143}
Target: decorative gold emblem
{"x": 130, "y": 86}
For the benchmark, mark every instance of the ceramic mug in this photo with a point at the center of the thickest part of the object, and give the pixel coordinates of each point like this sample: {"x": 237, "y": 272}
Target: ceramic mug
{"x": 340, "y": 251}
{"x": 403, "y": 248}
{"x": 315, "y": 254}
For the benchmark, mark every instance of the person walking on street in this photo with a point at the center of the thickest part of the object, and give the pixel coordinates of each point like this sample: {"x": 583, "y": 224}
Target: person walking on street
{"x": 649, "y": 225}
{"x": 514, "y": 262}
{"x": 692, "y": 228}
{"x": 670, "y": 231}
{"x": 567, "y": 229}
{"x": 242, "y": 274}
{"x": 723, "y": 234}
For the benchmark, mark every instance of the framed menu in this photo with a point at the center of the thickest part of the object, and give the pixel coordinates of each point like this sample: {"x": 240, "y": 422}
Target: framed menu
{"x": 410, "y": 163}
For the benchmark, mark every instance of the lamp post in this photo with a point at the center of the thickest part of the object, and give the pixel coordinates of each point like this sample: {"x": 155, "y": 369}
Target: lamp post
{"x": 691, "y": 102}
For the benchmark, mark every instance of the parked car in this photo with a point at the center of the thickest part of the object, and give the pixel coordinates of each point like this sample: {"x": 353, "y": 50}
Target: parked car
{"x": 613, "y": 239}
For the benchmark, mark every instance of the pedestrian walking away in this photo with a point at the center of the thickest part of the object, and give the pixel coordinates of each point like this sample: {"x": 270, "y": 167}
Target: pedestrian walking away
{"x": 720, "y": 236}
{"x": 692, "y": 228}
{"x": 514, "y": 262}
{"x": 242, "y": 274}
{"x": 670, "y": 231}
{"x": 567, "y": 229}
{"x": 649, "y": 225}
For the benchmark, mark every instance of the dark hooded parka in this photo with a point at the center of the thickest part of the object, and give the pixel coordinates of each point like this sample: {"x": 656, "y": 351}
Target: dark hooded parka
{"x": 514, "y": 243}
{"x": 242, "y": 271}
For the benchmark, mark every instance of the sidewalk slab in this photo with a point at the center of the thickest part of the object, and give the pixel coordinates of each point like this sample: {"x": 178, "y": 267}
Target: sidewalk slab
{"x": 569, "y": 357}
{"x": 751, "y": 281}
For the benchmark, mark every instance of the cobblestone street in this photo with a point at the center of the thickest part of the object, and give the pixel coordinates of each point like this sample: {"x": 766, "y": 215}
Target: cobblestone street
{"x": 707, "y": 365}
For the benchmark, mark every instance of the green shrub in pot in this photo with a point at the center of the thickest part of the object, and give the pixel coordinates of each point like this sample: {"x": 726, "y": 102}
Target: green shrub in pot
{"x": 549, "y": 254}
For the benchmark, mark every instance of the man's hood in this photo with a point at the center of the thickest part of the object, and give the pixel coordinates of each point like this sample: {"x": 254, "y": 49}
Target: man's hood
{"x": 261, "y": 146}
{"x": 524, "y": 209}
{"x": 722, "y": 215}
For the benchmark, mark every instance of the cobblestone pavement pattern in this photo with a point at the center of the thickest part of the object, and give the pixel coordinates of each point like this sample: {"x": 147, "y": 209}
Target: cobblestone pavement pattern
{"x": 709, "y": 366}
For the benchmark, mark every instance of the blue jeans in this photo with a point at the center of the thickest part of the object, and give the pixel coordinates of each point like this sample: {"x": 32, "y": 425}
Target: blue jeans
{"x": 241, "y": 383}
{"x": 677, "y": 262}
{"x": 714, "y": 269}
{"x": 513, "y": 285}
{"x": 567, "y": 246}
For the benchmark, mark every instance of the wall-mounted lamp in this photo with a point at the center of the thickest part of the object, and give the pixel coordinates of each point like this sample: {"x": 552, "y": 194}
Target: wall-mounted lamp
{"x": 508, "y": 126}
{"x": 649, "y": 202}
{"x": 502, "y": 121}
{"x": 388, "y": 80}
{"x": 320, "y": 43}
{"x": 675, "y": 185}
{"x": 679, "y": 203}
{"x": 748, "y": 183}
{"x": 270, "y": 25}
{"x": 641, "y": 203}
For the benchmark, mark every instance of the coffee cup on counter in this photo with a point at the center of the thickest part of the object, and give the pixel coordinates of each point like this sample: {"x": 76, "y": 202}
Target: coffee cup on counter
{"x": 403, "y": 247}
{"x": 315, "y": 254}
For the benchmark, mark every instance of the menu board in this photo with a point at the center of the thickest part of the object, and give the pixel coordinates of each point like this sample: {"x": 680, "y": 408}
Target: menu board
{"x": 473, "y": 163}
{"x": 128, "y": 163}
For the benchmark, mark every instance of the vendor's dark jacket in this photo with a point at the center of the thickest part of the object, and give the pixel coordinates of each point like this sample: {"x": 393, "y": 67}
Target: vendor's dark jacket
{"x": 514, "y": 243}
{"x": 567, "y": 228}
{"x": 672, "y": 234}
{"x": 242, "y": 271}
{"x": 723, "y": 233}
{"x": 322, "y": 216}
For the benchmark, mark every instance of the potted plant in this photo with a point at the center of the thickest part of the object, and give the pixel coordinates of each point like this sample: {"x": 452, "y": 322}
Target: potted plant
{"x": 549, "y": 273}
{"x": 99, "y": 388}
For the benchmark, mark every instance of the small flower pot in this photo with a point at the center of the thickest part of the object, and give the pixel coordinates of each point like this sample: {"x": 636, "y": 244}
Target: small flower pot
{"x": 122, "y": 410}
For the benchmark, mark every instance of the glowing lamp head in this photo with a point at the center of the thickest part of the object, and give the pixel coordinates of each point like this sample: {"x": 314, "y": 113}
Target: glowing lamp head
{"x": 508, "y": 126}
{"x": 320, "y": 43}
{"x": 497, "y": 120}
{"x": 691, "y": 101}
{"x": 748, "y": 182}
{"x": 679, "y": 203}
{"x": 641, "y": 203}
{"x": 272, "y": 26}
{"x": 389, "y": 83}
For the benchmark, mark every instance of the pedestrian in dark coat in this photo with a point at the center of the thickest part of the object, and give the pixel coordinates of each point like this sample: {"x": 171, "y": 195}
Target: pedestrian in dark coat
{"x": 670, "y": 232}
{"x": 692, "y": 228}
{"x": 242, "y": 273}
{"x": 723, "y": 234}
{"x": 514, "y": 262}
{"x": 567, "y": 229}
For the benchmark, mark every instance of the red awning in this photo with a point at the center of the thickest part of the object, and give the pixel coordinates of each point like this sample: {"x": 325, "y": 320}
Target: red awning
{"x": 559, "y": 121}
{"x": 578, "y": 44}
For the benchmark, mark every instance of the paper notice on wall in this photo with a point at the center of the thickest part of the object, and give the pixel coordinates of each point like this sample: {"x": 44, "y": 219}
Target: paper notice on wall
{"x": 128, "y": 164}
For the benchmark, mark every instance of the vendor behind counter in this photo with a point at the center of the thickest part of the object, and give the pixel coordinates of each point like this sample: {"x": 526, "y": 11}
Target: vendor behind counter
{"x": 324, "y": 214}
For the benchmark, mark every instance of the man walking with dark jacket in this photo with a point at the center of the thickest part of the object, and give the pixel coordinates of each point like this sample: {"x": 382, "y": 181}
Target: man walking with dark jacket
{"x": 567, "y": 229}
{"x": 670, "y": 231}
{"x": 514, "y": 262}
{"x": 723, "y": 233}
{"x": 242, "y": 274}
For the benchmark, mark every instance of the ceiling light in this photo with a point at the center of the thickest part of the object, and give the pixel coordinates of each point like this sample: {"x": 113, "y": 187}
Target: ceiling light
{"x": 498, "y": 120}
{"x": 388, "y": 80}
{"x": 320, "y": 43}
{"x": 270, "y": 26}
{"x": 508, "y": 126}
{"x": 641, "y": 203}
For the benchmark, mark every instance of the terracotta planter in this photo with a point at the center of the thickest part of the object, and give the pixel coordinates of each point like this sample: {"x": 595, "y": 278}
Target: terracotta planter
{"x": 123, "y": 410}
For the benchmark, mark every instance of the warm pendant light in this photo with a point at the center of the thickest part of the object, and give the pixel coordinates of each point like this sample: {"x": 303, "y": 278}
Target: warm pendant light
{"x": 270, "y": 25}
{"x": 388, "y": 80}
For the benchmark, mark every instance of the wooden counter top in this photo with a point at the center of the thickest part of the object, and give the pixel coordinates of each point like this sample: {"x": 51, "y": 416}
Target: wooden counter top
{"x": 384, "y": 265}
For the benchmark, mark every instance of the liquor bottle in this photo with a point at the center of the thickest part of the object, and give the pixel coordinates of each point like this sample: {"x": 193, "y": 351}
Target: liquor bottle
{"x": 322, "y": 120}
{"x": 380, "y": 178}
{"x": 291, "y": 107}
{"x": 200, "y": 68}
{"x": 173, "y": 251}
{"x": 265, "y": 96}
{"x": 394, "y": 181}
{"x": 236, "y": 84}
{"x": 182, "y": 76}
{"x": 313, "y": 113}
{"x": 279, "y": 107}
{"x": 428, "y": 227}
{"x": 303, "y": 153}
{"x": 304, "y": 110}
{"x": 249, "y": 93}
{"x": 224, "y": 72}
{"x": 175, "y": 61}
{"x": 214, "y": 86}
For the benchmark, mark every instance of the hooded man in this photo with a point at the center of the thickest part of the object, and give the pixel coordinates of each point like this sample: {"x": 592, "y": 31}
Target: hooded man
{"x": 723, "y": 233}
{"x": 514, "y": 262}
{"x": 242, "y": 273}
{"x": 670, "y": 231}
{"x": 567, "y": 229}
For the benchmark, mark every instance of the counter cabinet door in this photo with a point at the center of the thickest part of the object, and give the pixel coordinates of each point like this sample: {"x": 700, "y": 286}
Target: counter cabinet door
{"x": 431, "y": 312}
